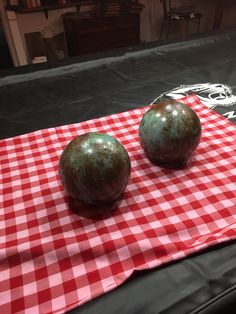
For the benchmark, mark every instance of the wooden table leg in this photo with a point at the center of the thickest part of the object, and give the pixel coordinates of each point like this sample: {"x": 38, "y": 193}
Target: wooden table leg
{"x": 218, "y": 14}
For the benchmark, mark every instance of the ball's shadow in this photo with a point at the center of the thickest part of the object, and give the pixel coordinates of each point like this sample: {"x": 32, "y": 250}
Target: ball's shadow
{"x": 100, "y": 211}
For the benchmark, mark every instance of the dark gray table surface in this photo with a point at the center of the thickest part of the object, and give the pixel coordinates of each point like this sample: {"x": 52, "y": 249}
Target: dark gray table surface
{"x": 84, "y": 88}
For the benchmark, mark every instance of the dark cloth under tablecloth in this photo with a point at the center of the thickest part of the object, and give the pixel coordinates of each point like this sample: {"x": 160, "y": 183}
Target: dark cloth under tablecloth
{"x": 80, "y": 91}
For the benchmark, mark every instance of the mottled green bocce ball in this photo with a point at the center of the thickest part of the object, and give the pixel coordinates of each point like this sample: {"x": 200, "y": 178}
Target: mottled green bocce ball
{"x": 95, "y": 168}
{"x": 169, "y": 132}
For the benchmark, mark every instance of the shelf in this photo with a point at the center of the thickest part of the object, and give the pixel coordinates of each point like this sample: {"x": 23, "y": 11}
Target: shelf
{"x": 70, "y": 4}
{"x": 47, "y": 8}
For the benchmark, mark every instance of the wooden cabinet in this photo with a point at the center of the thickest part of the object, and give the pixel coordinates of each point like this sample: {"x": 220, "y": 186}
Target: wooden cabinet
{"x": 100, "y": 33}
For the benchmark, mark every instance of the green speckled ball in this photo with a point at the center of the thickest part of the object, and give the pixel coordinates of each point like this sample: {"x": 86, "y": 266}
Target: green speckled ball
{"x": 95, "y": 168}
{"x": 169, "y": 132}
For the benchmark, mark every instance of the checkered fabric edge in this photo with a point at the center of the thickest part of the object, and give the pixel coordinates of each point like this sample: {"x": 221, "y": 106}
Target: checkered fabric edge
{"x": 52, "y": 260}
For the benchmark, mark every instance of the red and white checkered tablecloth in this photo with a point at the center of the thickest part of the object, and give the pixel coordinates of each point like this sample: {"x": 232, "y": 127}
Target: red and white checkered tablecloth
{"x": 53, "y": 260}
